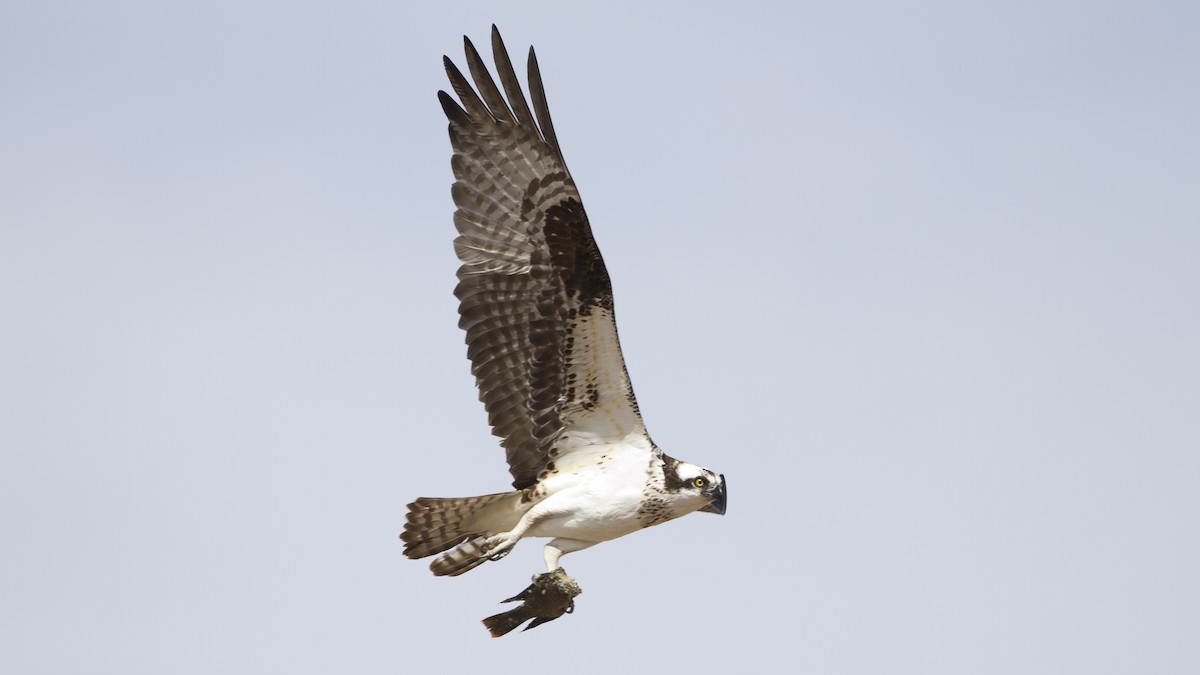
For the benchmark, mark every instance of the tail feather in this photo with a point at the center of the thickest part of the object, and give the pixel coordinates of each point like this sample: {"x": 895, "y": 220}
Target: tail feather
{"x": 460, "y": 559}
{"x": 458, "y": 525}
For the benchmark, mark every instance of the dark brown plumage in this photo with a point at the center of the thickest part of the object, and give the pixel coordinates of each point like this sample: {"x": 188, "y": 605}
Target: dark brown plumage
{"x": 551, "y": 595}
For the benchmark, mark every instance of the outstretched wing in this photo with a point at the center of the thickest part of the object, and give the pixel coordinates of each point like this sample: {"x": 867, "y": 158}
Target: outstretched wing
{"x": 534, "y": 296}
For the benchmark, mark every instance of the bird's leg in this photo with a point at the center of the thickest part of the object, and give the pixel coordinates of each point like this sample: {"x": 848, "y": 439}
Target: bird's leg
{"x": 557, "y": 548}
{"x": 499, "y": 545}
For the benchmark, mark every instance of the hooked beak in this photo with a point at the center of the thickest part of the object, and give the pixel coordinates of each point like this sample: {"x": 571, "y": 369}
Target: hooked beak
{"x": 717, "y": 505}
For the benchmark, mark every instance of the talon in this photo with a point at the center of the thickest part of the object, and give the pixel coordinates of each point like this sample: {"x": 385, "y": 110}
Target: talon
{"x": 499, "y": 545}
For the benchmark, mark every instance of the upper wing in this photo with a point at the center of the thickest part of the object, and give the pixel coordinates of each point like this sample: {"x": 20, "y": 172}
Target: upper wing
{"x": 534, "y": 296}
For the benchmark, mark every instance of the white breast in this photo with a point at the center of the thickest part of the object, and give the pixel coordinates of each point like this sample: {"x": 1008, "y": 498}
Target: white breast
{"x": 595, "y": 495}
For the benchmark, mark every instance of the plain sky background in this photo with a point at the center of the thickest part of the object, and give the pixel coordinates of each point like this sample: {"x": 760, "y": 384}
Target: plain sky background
{"x": 922, "y": 280}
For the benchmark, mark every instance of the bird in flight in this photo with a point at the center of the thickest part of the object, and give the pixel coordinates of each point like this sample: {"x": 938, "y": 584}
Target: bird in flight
{"x": 536, "y": 303}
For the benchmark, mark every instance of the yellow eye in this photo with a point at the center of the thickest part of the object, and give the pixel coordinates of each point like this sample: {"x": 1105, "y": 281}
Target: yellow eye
{"x": 699, "y": 482}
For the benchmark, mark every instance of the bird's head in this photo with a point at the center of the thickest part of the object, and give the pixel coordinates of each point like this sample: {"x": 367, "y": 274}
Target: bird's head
{"x": 698, "y": 483}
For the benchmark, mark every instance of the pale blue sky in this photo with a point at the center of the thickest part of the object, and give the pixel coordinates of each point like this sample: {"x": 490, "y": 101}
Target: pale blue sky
{"x": 922, "y": 280}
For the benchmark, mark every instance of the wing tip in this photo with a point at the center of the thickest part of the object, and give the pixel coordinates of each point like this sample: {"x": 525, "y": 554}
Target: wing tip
{"x": 454, "y": 112}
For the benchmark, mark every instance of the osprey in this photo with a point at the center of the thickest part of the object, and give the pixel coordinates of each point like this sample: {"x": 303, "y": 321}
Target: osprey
{"x": 536, "y": 304}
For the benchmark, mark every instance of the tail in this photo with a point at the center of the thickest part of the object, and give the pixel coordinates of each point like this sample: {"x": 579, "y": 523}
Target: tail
{"x": 459, "y": 526}
{"x": 503, "y": 623}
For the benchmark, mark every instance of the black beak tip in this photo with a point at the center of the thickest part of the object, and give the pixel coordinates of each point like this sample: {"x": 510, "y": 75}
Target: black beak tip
{"x": 717, "y": 505}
